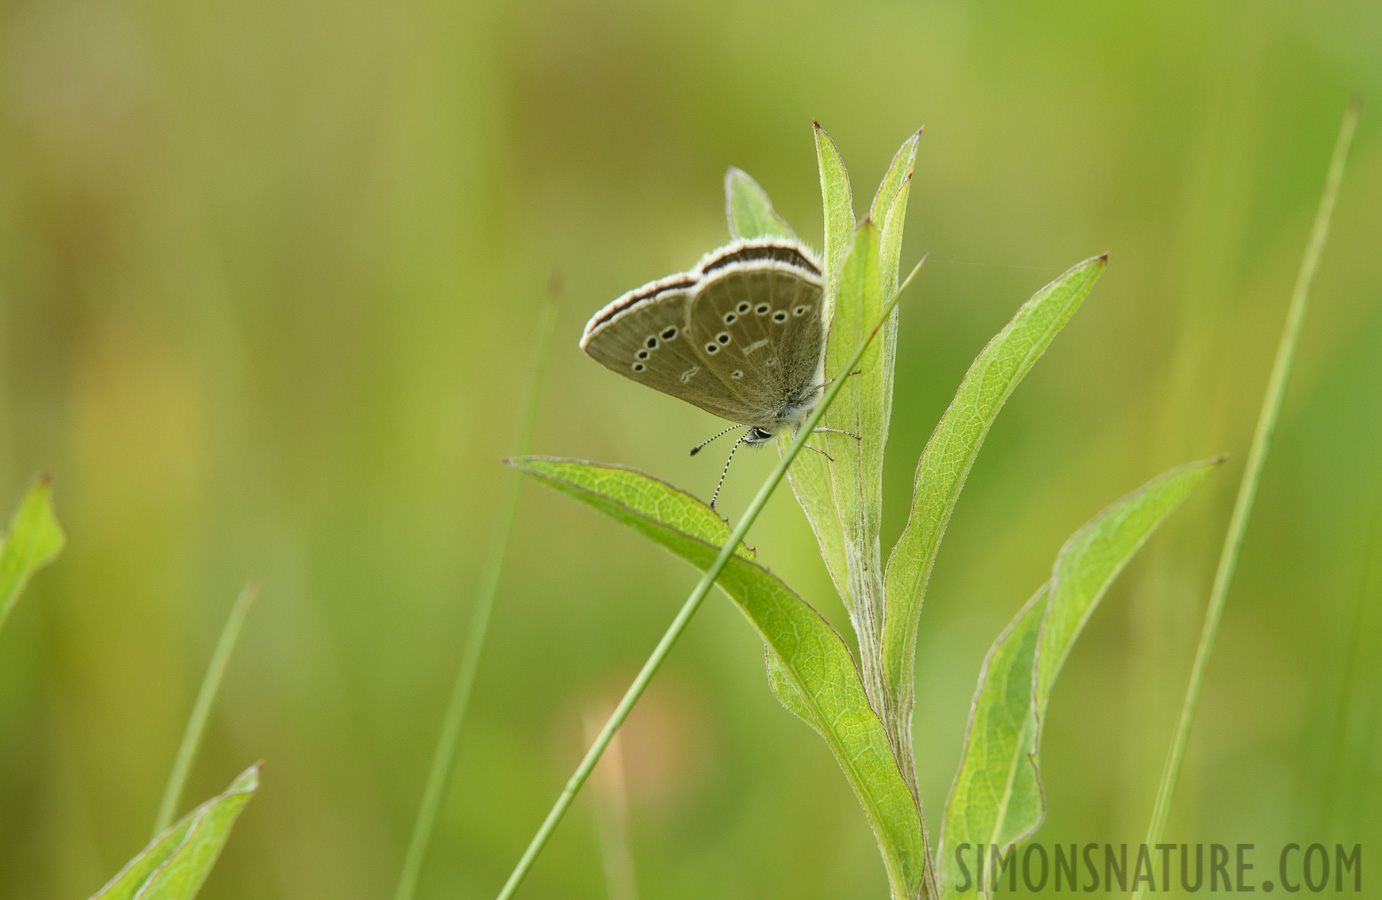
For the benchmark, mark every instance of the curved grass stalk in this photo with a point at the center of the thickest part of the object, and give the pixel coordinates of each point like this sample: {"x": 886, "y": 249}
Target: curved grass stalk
{"x": 689, "y": 608}
{"x": 1252, "y": 473}
{"x": 444, "y": 756}
{"x": 201, "y": 708}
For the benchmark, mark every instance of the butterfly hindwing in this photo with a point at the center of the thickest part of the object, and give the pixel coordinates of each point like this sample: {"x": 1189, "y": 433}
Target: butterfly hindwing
{"x": 740, "y": 336}
{"x": 758, "y": 326}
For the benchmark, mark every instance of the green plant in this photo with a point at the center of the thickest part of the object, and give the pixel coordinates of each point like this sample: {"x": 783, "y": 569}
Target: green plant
{"x": 177, "y": 861}
{"x": 863, "y": 708}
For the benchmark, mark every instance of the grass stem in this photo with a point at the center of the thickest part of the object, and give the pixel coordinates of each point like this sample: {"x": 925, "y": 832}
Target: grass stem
{"x": 201, "y": 709}
{"x": 1252, "y": 473}
{"x": 444, "y": 756}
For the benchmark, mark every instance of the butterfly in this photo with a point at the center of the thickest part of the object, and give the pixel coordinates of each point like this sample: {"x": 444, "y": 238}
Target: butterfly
{"x": 741, "y": 335}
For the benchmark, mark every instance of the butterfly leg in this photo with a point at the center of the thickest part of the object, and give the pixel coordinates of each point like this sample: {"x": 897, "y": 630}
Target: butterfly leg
{"x": 743, "y": 438}
{"x": 820, "y": 451}
{"x": 828, "y": 381}
{"x": 836, "y": 431}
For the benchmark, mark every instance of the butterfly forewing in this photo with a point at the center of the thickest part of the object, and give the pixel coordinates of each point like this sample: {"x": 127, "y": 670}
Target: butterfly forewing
{"x": 646, "y": 340}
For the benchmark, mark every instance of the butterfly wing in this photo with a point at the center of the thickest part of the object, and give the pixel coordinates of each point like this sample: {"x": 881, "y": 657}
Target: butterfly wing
{"x": 643, "y": 336}
{"x": 757, "y": 324}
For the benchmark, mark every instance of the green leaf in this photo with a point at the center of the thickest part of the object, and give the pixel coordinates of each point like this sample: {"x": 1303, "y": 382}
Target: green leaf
{"x": 860, "y": 409}
{"x": 810, "y": 480}
{"x": 898, "y": 175}
{"x": 838, "y": 203}
{"x": 997, "y": 797}
{"x": 810, "y": 668}
{"x": 890, "y": 212}
{"x": 32, "y": 540}
{"x": 810, "y": 474}
{"x": 749, "y": 210}
{"x": 176, "y": 862}
{"x": 951, "y": 451}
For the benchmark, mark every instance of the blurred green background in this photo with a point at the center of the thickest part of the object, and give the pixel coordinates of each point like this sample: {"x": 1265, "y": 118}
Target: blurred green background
{"x": 269, "y": 274}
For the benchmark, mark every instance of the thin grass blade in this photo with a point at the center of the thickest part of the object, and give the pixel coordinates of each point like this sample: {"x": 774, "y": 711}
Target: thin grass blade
{"x": 444, "y": 755}
{"x": 201, "y": 708}
{"x": 1252, "y": 471}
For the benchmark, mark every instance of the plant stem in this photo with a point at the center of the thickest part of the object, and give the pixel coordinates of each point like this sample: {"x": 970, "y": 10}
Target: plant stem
{"x": 444, "y": 756}
{"x": 1252, "y": 472}
{"x": 201, "y": 708}
{"x": 688, "y": 610}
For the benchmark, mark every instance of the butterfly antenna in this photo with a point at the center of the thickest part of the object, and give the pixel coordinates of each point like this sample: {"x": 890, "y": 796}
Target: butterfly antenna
{"x": 716, "y": 495}
{"x": 697, "y": 449}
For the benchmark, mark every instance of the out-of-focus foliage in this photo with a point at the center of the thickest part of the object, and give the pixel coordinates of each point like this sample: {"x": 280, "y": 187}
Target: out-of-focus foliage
{"x": 268, "y": 274}
{"x": 30, "y": 542}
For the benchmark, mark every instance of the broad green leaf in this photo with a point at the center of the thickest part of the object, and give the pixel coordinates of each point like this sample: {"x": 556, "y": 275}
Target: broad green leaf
{"x": 175, "y": 863}
{"x": 1094, "y": 556}
{"x": 32, "y": 540}
{"x": 749, "y": 210}
{"x": 997, "y": 788}
{"x": 810, "y": 480}
{"x": 838, "y": 204}
{"x": 951, "y": 451}
{"x": 810, "y": 667}
{"x": 861, "y": 409}
{"x": 890, "y": 203}
{"x": 810, "y": 473}
{"x": 997, "y": 797}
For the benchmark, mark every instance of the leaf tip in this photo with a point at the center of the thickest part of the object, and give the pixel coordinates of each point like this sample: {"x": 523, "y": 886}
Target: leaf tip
{"x": 815, "y": 123}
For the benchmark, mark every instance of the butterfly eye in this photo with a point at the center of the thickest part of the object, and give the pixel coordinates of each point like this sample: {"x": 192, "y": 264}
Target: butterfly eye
{"x": 762, "y": 309}
{"x": 780, "y": 316}
{"x": 743, "y": 307}
{"x": 801, "y": 310}
{"x": 669, "y": 334}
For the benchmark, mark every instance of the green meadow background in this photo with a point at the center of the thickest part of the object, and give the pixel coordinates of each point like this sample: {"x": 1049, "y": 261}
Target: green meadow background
{"x": 269, "y": 278}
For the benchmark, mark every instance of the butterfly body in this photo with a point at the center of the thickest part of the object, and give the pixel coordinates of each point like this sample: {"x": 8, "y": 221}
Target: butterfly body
{"x": 742, "y": 335}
